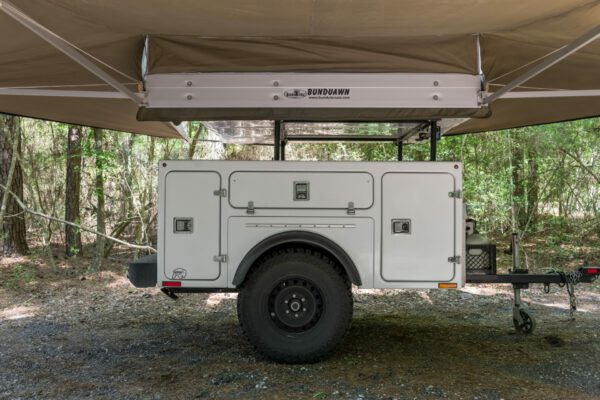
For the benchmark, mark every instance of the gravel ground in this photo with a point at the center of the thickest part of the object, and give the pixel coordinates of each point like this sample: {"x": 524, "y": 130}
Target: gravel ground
{"x": 72, "y": 336}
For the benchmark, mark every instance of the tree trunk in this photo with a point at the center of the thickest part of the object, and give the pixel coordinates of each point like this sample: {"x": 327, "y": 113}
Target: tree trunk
{"x": 73, "y": 190}
{"x": 100, "y": 211}
{"x": 12, "y": 229}
{"x": 518, "y": 186}
{"x": 533, "y": 183}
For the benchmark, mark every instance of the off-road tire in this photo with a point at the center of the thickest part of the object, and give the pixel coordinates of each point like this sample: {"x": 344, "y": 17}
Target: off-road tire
{"x": 261, "y": 316}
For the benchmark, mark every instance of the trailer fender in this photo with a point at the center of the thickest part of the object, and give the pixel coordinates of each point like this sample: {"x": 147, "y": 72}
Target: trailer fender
{"x": 297, "y": 238}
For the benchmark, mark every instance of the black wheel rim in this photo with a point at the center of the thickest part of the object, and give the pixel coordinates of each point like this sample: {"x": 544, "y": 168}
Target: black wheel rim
{"x": 295, "y": 304}
{"x": 527, "y": 325}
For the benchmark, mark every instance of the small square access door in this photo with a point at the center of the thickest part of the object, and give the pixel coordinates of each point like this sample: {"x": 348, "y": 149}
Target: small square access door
{"x": 301, "y": 191}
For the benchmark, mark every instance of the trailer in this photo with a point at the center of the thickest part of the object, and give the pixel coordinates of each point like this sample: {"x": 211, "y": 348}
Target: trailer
{"x": 293, "y": 238}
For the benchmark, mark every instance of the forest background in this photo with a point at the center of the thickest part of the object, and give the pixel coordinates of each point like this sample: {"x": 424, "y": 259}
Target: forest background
{"x": 542, "y": 181}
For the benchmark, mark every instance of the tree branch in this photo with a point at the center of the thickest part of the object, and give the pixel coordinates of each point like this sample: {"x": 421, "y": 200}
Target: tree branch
{"x": 582, "y": 165}
{"x": 62, "y": 221}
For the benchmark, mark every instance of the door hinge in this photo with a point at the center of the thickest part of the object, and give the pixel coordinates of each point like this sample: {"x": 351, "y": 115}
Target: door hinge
{"x": 457, "y": 194}
{"x": 221, "y": 259}
{"x": 250, "y": 209}
{"x": 220, "y": 192}
{"x": 454, "y": 259}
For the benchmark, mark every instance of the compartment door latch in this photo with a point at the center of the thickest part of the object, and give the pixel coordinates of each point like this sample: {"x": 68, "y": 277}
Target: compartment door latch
{"x": 351, "y": 210}
{"x": 220, "y": 259}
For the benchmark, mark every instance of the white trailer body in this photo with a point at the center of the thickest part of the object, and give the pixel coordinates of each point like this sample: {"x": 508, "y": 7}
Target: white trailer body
{"x": 293, "y": 237}
{"x": 401, "y": 224}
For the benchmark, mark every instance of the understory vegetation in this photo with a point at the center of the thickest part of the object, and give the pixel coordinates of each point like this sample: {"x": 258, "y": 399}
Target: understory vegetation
{"x": 542, "y": 181}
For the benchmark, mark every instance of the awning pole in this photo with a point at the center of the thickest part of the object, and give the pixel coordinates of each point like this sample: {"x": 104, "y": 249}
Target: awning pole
{"x": 61, "y": 45}
{"x": 554, "y": 58}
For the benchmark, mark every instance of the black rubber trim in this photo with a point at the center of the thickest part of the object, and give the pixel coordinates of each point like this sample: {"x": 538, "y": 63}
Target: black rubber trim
{"x": 307, "y": 114}
{"x": 297, "y": 238}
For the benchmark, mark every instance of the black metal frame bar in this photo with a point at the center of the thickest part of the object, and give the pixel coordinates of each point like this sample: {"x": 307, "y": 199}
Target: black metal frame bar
{"x": 342, "y": 138}
{"x": 433, "y": 138}
{"x": 281, "y": 139}
{"x": 522, "y": 278}
{"x": 277, "y": 141}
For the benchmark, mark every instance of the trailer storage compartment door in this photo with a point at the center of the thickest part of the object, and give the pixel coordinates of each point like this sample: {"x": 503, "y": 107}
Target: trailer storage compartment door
{"x": 301, "y": 190}
{"x": 192, "y": 225}
{"x": 418, "y": 227}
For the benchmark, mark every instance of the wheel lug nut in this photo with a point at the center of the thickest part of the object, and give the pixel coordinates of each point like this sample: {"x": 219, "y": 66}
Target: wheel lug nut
{"x": 272, "y": 314}
{"x": 286, "y": 302}
{"x": 303, "y": 299}
{"x": 287, "y": 311}
{"x": 296, "y": 315}
{"x": 304, "y": 309}
{"x": 294, "y": 295}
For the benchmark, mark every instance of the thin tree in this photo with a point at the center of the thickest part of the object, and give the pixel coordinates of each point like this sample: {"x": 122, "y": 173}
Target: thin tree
{"x": 73, "y": 190}
{"x": 100, "y": 210}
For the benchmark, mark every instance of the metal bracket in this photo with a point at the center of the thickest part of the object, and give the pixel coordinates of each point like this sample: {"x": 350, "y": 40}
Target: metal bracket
{"x": 546, "y": 63}
{"x": 351, "y": 210}
{"x": 220, "y": 192}
{"x": 221, "y": 259}
{"x": 457, "y": 194}
{"x": 250, "y": 209}
{"x": 454, "y": 259}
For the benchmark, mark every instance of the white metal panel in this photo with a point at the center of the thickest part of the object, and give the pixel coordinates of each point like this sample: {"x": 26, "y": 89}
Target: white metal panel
{"x": 312, "y": 90}
{"x": 356, "y": 245}
{"x": 275, "y": 189}
{"x": 189, "y": 255}
{"x": 354, "y": 235}
{"x": 422, "y": 254}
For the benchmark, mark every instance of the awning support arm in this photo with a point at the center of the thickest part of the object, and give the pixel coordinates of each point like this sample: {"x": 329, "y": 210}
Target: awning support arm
{"x": 62, "y": 93}
{"x": 64, "y": 47}
{"x": 554, "y": 58}
{"x": 61, "y": 45}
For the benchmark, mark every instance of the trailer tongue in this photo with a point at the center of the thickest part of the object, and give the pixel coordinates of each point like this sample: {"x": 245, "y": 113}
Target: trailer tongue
{"x": 479, "y": 272}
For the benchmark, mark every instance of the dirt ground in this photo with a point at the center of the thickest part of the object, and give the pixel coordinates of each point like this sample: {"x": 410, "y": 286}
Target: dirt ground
{"x": 73, "y": 335}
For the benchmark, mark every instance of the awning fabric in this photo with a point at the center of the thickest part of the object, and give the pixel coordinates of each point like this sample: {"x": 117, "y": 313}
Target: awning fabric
{"x": 299, "y": 36}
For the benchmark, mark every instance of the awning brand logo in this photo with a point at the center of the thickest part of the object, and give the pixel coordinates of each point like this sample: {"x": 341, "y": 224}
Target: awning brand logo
{"x": 329, "y": 93}
{"x": 295, "y": 94}
{"x": 318, "y": 93}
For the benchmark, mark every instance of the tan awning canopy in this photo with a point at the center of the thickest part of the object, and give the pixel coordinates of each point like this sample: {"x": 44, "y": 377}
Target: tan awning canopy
{"x": 194, "y": 36}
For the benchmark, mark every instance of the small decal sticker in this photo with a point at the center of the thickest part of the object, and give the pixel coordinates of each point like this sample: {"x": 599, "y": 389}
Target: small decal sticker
{"x": 179, "y": 273}
{"x": 295, "y": 94}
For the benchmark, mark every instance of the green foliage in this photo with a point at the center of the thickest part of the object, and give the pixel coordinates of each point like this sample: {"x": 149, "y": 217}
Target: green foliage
{"x": 542, "y": 179}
